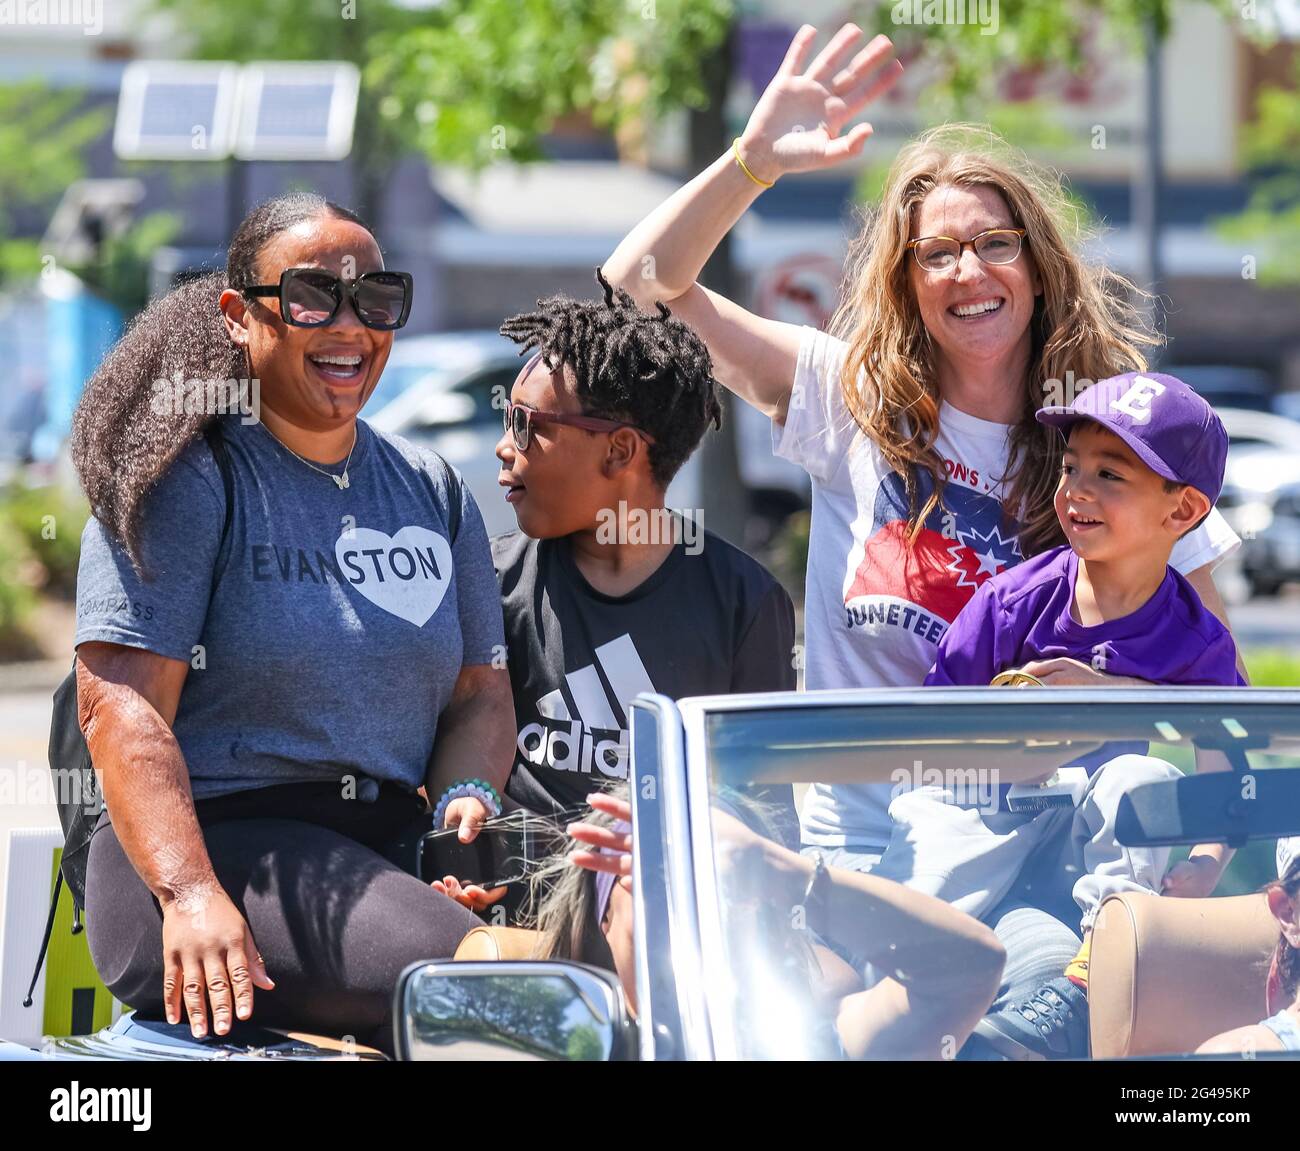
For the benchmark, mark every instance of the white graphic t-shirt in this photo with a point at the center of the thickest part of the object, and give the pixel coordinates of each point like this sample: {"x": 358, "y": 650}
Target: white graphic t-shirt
{"x": 874, "y": 609}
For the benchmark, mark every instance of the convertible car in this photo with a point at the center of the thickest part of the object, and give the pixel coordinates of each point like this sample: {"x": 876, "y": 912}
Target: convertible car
{"x": 1166, "y": 974}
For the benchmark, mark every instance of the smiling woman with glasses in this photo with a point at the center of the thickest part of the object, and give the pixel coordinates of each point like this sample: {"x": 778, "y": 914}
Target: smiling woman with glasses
{"x": 286, "y": 633}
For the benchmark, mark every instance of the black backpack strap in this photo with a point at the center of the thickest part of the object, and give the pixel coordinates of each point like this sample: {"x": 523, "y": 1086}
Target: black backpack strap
{"x": 221, "y": 454}
{"x": 455, "y": 497}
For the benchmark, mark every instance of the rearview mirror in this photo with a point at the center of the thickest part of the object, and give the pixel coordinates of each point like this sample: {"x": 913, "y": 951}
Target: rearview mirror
{"x": 510, "y": 1010}
{"x": 1220, "y": 807}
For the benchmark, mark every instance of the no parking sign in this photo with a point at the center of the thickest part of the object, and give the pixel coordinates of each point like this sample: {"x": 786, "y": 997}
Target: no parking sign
{"x": 802, "y": 289}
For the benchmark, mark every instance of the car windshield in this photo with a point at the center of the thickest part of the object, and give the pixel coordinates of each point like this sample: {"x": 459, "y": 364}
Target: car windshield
{"x": 786, "y": 968}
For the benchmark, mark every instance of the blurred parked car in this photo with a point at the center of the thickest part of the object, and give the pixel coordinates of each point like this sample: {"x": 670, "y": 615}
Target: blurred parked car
{"x": 1263, "y": 506}
{"x": 1250, "y": 428}
{"x": 1230, "y": 385}
{"x": 1274, "y": 557}
{"x": 1263, "y": 450}
{"x": 448, "y": 391}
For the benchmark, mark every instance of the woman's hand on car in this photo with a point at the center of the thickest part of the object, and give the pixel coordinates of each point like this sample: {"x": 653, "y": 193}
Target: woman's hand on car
{"x": 1193, "y": 878}
{"x": 209, "y": 957}
{"x": 796, "y": 124}
{"x": 755, "y": 869}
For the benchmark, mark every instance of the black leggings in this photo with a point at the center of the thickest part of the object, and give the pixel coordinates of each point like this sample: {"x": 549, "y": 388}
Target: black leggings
{"x": 334, "y": 917}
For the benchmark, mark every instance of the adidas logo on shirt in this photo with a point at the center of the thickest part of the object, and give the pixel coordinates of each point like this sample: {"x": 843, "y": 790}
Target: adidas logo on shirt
{"x": 584, "y": 723}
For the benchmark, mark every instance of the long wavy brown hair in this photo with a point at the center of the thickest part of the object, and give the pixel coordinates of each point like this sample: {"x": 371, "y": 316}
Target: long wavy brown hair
{"x": 1087, "y": 321}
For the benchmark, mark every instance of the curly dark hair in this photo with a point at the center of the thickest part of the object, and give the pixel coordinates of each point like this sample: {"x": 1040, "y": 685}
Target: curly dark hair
{"x": 122, "y": 443}
{"x": 652, "y": 371}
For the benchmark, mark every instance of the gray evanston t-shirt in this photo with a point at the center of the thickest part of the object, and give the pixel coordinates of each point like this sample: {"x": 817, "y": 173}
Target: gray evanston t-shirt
{"x": 339, "y": 621}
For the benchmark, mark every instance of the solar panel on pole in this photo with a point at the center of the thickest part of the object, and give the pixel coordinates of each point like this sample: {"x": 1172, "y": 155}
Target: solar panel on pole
{"x": 297, "y": 111}
{"x": 176, "y": 110}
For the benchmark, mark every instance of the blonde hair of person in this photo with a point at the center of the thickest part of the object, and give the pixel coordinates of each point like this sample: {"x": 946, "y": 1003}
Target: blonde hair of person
{"x": 1086, "y": 321}
{"x": 562, "y": 905}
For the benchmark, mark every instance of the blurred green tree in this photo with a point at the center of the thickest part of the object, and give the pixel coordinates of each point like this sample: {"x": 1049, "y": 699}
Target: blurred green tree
{"x": 471, "y": 82}
{"x": 1271, "y": 221}
{"x": 970, "y": 60}
{"x": 42, "y": 136}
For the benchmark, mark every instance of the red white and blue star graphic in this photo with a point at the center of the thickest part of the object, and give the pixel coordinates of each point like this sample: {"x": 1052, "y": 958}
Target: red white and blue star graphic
{"x": 961, "y": 544}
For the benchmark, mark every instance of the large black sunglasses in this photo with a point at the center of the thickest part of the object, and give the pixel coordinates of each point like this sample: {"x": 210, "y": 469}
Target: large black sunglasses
{"x": 311, "y": 297}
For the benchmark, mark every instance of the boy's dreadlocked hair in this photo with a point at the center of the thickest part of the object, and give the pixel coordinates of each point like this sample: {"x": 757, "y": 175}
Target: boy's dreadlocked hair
{"x": 652, "y": 371}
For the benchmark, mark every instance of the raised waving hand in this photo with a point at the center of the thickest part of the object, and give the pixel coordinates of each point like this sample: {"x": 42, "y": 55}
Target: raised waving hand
{"x": 797, "y": 123}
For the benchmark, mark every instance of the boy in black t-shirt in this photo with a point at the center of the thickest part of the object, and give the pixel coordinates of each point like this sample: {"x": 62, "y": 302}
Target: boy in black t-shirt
{"x": 607, "y": 593}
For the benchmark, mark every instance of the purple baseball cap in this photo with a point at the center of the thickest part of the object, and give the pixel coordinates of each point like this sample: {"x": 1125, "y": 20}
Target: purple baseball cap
{"x": 1170, "y": 428}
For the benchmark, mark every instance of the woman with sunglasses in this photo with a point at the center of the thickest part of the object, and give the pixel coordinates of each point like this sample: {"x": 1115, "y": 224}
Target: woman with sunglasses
{"x": 966, "y": 307}
{"x": 286, "y": 628}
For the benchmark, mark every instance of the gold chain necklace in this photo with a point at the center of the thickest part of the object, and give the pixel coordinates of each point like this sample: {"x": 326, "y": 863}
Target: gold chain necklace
{"x": 340, "y": 480}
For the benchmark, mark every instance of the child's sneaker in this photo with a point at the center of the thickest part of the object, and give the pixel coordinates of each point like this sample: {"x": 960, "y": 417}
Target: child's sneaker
{"x": 1051, "y": 1024}
{"x": 1076, "y": 970}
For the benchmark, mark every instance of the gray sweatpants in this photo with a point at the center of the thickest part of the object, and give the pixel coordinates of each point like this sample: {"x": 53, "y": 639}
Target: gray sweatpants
{"x": 972, "y": 859}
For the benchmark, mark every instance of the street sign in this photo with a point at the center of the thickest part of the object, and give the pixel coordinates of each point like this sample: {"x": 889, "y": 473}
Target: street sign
{"x": 802, "y": 289}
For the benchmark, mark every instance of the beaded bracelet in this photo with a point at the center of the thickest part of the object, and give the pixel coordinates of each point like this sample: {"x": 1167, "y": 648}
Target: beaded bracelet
{"x": 479, "y": 789}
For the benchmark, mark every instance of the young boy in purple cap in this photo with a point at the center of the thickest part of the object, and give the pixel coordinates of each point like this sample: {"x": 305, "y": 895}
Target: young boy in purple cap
{"x": 1143, "y": 464}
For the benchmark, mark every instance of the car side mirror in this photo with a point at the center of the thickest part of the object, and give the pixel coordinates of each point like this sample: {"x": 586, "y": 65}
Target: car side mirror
{"x": 504, "y": 1009}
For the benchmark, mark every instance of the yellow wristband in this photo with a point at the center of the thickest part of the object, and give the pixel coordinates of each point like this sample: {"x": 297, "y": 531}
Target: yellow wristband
{"x": 735, "y": 150}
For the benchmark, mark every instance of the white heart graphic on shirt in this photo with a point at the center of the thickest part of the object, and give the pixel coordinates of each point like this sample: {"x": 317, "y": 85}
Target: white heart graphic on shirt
{"x": 406, "y": 574}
